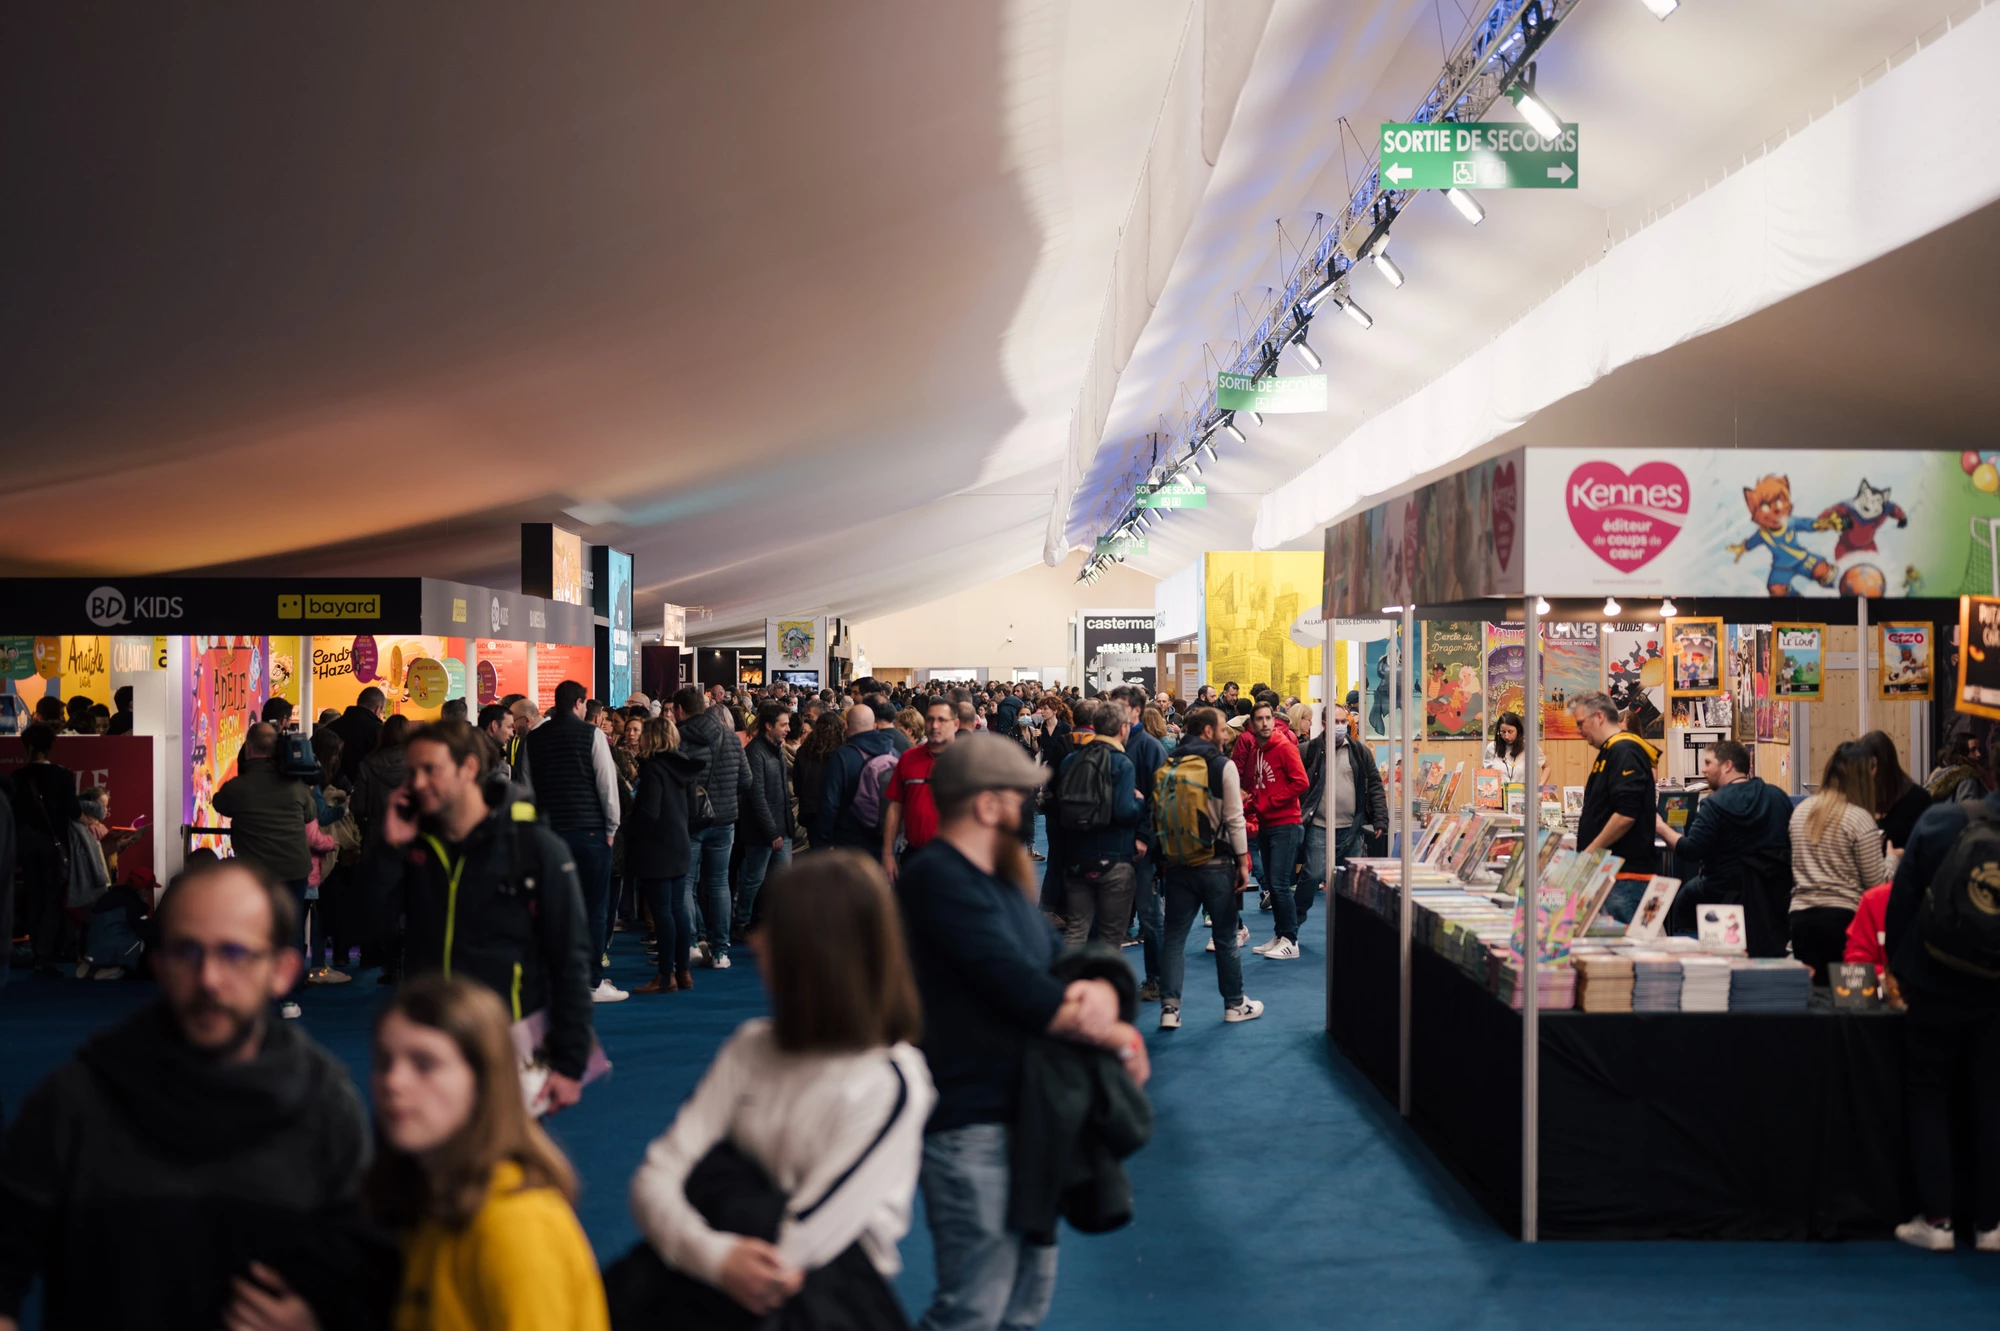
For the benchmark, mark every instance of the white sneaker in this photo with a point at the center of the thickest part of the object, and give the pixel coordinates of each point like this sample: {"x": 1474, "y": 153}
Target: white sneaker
{"x": 700, "y": 953}
{"x": 607, "y": 992}
{"x": 290, "y": 1012}
{"x": 1209, "y": 946}
{"x": 1921, "y": 1233}
{"x": 1987, "y": 1240}
{"x": 1242, "y": 935}
{"x": 720, "y": 963}
{"x": 1265, "y": 946}
{"x": 1281, "y": 949}
{"x": 1248, "y": 1010}
{"x": 1170, "y": 1018}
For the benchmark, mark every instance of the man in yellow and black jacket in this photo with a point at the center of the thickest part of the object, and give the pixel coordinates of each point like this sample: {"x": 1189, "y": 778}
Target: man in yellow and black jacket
{"x": 487, "y": 893}
{"x": 1620, "y": 801}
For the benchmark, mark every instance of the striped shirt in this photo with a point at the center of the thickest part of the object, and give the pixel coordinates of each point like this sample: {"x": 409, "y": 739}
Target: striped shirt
{"x": 1844, "y": 863}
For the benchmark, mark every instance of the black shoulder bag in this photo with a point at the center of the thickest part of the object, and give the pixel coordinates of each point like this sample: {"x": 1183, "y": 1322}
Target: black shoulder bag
{"x": 735, "y": 1196}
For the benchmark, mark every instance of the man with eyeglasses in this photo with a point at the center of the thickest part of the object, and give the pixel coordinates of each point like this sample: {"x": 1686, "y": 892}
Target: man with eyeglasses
{"x": 232, "y": 1142}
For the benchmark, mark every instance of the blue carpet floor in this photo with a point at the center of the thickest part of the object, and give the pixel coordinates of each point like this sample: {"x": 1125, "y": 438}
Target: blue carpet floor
{"x": 1280, "y": 1190}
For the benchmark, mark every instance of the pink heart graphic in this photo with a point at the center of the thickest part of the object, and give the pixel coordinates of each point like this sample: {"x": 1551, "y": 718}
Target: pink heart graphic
{"x": 1506, "y": 503}
{"x": 1626, "y": 518}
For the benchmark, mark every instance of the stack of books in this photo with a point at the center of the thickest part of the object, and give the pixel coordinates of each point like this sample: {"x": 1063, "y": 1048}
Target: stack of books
{"x": 1656, "y": 981}
{"x": 1605, "y": 981}
{"x": 1769, "y": 984}
{"x": 1705, "y": 983}
{"x": 1555, "y": 993}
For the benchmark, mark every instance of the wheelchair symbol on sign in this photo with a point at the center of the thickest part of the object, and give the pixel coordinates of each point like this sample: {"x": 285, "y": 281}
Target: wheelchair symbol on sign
{"x": 1464, "y": 173}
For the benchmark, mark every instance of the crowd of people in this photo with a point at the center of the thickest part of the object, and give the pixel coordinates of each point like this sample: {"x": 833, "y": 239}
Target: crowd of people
{"x": 934, "y": 991}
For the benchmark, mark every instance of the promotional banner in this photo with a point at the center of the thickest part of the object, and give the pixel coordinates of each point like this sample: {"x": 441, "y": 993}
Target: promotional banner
{"x": 1906, "y": 656}
{"x": 795, "y": 651}
{"x": 1635, "y": 676}
{"x": 1250, "y": 602}
{"x": 1456, "y": 539}
{"x": 285, "y": 669}
{"x": 414, "y": 672}
{"x": 1117, "y": 648}
{"x": 502, "y": 670}
{"x": 1571, "y": 665}
{"x": 612, "y": 589}
{"x": 1796, "y": 669}
{"x": 1454, "y": 707}
{"x": 1760, "y": 522}
{"x": 1271, "y": 395}
{"x": 189, "y": 606}
{"x": 223, "y": 687}
{"x": 83, "y": 668}
{"x": 556, "y": 662}
{"x": 1506, "y": 673}
{"x": 119, "y": 765}
{"x": 1979, "y": 656}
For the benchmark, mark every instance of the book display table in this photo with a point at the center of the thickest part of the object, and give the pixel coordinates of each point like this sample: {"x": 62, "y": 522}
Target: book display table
{"x": 1713, "y": 1125}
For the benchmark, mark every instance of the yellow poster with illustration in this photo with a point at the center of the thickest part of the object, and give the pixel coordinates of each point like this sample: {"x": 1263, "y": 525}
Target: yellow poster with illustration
{"x": 285, "y": 669}
{"x": 406, "y": 667}
{"x": 1253, "y": 600}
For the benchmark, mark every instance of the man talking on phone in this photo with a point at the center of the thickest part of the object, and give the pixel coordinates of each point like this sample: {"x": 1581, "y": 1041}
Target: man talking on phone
{"x": 487, "y": 893}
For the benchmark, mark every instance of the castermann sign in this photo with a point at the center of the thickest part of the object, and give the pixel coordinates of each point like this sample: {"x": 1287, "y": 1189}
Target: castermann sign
{"x": 1478, "y": 155}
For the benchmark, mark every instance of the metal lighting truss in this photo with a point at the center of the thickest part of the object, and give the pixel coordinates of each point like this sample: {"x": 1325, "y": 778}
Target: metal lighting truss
{"x": 1494, "y": 54}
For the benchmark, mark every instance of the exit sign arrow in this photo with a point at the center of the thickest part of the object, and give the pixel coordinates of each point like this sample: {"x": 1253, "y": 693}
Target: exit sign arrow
{"x": 1477, "y": 155}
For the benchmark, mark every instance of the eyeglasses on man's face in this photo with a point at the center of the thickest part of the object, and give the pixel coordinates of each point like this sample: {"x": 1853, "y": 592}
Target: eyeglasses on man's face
{"x": 194, "y": 955}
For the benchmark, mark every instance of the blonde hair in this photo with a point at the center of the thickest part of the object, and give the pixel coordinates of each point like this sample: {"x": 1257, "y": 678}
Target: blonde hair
{"x": 1153, "y": 722}
{"x": 1848, "y": 779}
{"x": 1300, "y": 716}
{"x": 911, "y": 722}
{"x": 658, "y": 735}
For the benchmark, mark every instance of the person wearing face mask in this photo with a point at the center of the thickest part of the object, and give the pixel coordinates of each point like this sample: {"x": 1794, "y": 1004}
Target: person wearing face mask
{"x": 480, "y": 1194}
{"x": 1346, "y": 797}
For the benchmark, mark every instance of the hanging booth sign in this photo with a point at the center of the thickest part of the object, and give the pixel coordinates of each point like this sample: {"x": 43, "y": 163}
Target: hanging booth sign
{"x": 1117, "y": 649}
{"x": 1123, "y": 545}
{"x": 1477, "y": 155}
{"x": 1174, "y": 494}
{"x": 1272, "y": 394}
{"x": 1694, "y": 656}
{"x": 1905, "y": 670}
{"x": 1797, "y": 662}
{"x": 1979, "y": 656}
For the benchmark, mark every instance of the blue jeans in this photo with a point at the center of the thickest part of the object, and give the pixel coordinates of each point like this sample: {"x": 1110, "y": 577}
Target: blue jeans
{"x": 1147, "y": 907}
{"x": 667, "y": 899}
{"x": 1210, "y": 887}
{"x": 593, "y": 871}
{"x": 759, "y": 860}
{"x": 989, "y": 1278}
{"x": 1279, "y": 847}
{"x": 1347, "y": 843}
{"x": 708, "y": 884}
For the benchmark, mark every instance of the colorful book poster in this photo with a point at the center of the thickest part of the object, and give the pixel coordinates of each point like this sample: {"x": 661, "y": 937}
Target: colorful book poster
{"x": 1905, "y": 671}
{"x": 1743, "y": 670}
{"x": 1695, "y": 651}
{"x": 1506, "y": 673}
{"x": 223, "y": 692}
{"x": 1635, "y": 675}
{"x": 1571, "y": 665}
{"x": 1453, "y": 705}
{"x": 1796, "y": 670}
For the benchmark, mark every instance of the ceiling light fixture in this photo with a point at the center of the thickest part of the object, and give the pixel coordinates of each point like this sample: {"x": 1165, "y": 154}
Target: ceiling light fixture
{"x": 1667, "y": 609}
{"x": 1356, "y": 313}
{"x": 1303, "y": 350}
{"x": 1192, "y": 466}
{"x": 1208, "y": 447}
{"x": 1536, "y": 112}
{"x": 1468, "y": 207}
{"x": 1387, "y": 267}
{"x": 1257, "y": 416}
{"x": 1229, "y": 428}
{"x": 1661, "y": 8}
{"x": 1317, "y": 298}
{"x": 1611, "y": 606}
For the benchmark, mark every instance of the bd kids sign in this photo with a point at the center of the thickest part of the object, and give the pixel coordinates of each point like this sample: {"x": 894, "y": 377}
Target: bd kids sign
{"x": 1758, "y": 522}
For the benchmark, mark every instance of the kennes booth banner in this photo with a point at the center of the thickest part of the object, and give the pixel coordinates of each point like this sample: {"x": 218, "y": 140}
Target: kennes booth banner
{"x": 1677, "y": 522}
{"x": 1117, "y": 648}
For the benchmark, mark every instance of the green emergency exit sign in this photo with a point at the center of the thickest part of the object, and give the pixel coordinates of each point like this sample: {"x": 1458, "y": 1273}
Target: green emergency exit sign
{"x": 1479, "y": 155}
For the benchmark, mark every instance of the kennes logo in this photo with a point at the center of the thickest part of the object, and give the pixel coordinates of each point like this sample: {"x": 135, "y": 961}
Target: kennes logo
{"x": 108, "y": 607}
{"x": 1598, "y": 495}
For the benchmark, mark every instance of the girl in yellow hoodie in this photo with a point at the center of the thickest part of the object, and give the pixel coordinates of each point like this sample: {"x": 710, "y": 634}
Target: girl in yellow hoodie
{"x": 481, "y": 1195}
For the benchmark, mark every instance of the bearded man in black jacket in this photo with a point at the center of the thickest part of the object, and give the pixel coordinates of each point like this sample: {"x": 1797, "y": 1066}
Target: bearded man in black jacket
{"x": 200, "y": 1157}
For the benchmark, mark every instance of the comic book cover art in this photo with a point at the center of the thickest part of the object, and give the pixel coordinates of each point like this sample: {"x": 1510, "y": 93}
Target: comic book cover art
{"x": 1695, "y": 652}
{"x": 1796, "y": 670}
{"x": 1570, "y": 666}
{"x": 1905, "y": 670}
{"x": 1506, "y": 672}
{"x": 1635, "y": 676}
{"x": 1742, "y": 680}
{"x": 1454, "y": 706}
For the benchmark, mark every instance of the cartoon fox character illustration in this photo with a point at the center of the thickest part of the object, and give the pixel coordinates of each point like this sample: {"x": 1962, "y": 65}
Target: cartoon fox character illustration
{"x": 1770, "y": 505}
{"x": 1858, "y": 519}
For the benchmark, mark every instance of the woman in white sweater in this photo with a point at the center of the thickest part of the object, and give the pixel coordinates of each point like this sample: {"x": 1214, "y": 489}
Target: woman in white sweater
{"x": 1836, "y": 856}
{"x": 829, "y": 1094}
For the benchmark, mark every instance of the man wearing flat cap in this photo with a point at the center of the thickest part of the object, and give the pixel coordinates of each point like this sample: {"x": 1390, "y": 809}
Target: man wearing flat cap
{"x": 981, "y": 951}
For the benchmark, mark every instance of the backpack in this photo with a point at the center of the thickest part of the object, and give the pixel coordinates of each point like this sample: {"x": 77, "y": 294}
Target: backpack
{"x": 1961, "y": 910}
{"x": 870, "y": 787}
{"x": 1087, "y": 790}
{"x": 1185, "y": 829}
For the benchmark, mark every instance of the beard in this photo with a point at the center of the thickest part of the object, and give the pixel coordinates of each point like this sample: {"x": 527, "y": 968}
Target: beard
{"x": 1011, "y": 863}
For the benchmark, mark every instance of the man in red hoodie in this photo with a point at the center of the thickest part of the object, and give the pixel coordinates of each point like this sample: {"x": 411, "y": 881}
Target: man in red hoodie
{"x": 1267, "y": 760}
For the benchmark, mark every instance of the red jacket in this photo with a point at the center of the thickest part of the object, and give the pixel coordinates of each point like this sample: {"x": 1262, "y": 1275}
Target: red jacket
{"x": 1864, "y": 942}
{"x": 1273, "y": 778}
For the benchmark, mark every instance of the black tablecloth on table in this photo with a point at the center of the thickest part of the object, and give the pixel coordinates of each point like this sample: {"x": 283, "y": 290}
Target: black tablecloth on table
{"x": 1653, "y": 1125}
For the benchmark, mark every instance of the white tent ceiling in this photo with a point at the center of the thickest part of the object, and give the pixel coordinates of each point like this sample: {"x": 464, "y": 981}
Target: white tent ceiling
{"x": 797, "y": 302}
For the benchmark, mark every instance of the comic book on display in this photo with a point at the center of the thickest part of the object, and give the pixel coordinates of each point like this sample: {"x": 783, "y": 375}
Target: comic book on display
{"x": 1649, "y": 920}
{"x": 1486, "y": 789}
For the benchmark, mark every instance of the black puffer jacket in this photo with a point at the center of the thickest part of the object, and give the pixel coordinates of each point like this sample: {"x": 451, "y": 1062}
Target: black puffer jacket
{"x": 709, "y": 740}
{"x": 770, "y": 812}
{"x": 656, "y": 839}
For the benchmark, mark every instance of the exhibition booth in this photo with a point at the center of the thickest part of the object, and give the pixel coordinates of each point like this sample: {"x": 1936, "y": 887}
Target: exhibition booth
{"x": 203, "y": 655}
{"x": 1643, "y": 1085}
